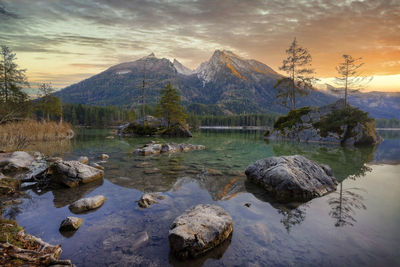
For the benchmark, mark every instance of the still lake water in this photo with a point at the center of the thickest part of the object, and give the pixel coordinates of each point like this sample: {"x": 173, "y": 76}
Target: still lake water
{"x": 358, "y": 225}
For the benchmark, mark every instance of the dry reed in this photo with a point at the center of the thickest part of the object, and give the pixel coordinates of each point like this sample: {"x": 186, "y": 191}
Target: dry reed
{"x": 18, "y": 135}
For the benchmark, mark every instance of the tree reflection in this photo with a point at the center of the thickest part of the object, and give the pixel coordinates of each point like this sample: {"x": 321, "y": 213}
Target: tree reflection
{"x": 292, "y": 217}
{"x": 345, "y": 204}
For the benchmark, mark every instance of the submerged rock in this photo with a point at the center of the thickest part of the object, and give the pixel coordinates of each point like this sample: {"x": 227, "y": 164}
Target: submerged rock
{"x": 72, "y": 173}
{"x": 104, "y": 157}
{"x": 86, "y": 204}
{"x": 149, "y": 199}
{"x": 71, "y": 224}
{"x": 198, "y": 230}
{"x": 292, "y": 177}
{"x": 154, "y": 148}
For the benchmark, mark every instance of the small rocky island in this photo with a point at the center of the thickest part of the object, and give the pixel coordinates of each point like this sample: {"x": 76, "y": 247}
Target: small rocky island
{"x": 290, "y": 178}
{"x": 334, "y": 124}
{"x": 151, "y": 126}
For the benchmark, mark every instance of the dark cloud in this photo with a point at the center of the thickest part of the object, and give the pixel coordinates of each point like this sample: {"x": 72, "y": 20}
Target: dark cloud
{"x": 5, "y": 13}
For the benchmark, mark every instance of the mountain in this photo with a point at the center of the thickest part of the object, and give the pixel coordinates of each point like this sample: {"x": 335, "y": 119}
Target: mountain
{"x": 226, "y": 81}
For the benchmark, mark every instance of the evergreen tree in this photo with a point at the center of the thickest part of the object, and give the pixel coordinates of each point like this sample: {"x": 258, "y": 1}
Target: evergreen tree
{"x": 300, "y": 75}
{"x": 13, "y": 100}
{"x": 349, "y": 77}
{"x": 49, "y": 104}
{"x": 170, "y": 107}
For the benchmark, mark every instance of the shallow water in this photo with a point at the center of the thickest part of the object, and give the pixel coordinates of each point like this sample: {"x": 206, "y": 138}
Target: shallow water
{"x": 358, "y": 225}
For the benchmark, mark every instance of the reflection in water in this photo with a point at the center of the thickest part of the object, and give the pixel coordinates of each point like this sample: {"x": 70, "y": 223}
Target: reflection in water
{"x": 51, "y": 148}
{"x": 344, "y": 206}
{"x": 267, "y": 233}
{"x": 293, "y": 213}
{"x": 344, "y": 161}
{"x": 215, "y": 253}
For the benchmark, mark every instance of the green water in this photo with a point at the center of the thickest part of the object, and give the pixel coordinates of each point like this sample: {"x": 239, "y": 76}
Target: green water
{"x": 358, "y": 225}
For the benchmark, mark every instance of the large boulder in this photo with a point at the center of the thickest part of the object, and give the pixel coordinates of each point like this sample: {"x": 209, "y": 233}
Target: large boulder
{"x": 292, "y": 177}
{"x": 332, "y": 124}
{"x": 72, "y": 173}
{"x": 198, "y": 230}
{"x": 86, "y": 204}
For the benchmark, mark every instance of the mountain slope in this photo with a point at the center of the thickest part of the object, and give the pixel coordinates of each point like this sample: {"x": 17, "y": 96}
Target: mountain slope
{"x": 226, "y": 80}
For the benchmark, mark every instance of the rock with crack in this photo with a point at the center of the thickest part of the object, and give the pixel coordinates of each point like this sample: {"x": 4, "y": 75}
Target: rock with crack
{"x": 149, "y": 199}
{"x": 86, "y": 204}
{"x": 71, "y": 224}
{"x": 198, "y": 230}
{"x": 73, "y": 173}
{"x": 292, "y": 177}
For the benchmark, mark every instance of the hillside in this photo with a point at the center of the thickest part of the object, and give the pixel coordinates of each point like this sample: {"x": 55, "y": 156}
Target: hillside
{"x": 233, "y": 84}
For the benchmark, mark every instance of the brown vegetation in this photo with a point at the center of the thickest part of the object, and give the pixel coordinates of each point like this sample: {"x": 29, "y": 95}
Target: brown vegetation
{"x": 18, "y": 135}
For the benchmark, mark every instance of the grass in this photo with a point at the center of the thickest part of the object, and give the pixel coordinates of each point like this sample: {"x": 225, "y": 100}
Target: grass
{"x": 18, "y": 135}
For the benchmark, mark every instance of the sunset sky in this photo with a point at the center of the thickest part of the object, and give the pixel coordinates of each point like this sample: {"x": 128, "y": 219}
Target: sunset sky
{"x": 64, "y": 42}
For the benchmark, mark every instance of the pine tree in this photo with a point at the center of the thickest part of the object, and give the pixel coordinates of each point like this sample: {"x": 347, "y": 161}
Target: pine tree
{"x": 170, "y": 107}
{"x": 300, "y": 75}
{"x": 13, "y": 100}
{"x": 349, "y": 77}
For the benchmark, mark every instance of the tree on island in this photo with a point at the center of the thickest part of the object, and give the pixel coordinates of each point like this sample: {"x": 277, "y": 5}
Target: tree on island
{"x": 49, "y": 103}
{"x": 170, "y": 107}
{"x": 349, "y": 78}
{"x": 13, "y": 100}
{"x": 300, "y": 75}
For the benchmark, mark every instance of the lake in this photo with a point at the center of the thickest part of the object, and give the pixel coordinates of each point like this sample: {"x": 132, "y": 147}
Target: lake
{"x": 358, "y": 225}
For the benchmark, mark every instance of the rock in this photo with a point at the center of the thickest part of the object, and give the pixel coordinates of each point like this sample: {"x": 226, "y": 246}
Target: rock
{"x": 70, "y": 224}
{"x": 110, "y": 137}
{"x": 247, "y": 205}
{"x": 15, "y": 161}
{"x": 148, "y": 199}
{"x": 86, "y": 204}
{"x": 104, "y": 157}
{"x": 152, "y": 171}
{"x": 53, "y": 159}
{"x": 83, "y": 160}
{"x": 177, "y": 131}
{"x": 153, "y": 148}
{"x": 72, "y": 173}
{"x": 97, "y": 166}
{"x": 198, "y": 230}
{"x": 292, "y": 177}
{"x": 214, "y": 172}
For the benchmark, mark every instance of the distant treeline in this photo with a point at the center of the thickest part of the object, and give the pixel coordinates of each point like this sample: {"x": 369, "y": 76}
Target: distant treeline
{"x": 79, "y": 114}
{"x": 233, "y": 120}
{"x": 387, "y": 123}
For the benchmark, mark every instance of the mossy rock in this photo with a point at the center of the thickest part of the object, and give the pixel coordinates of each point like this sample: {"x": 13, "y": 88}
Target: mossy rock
{"x": 139, "y": 129}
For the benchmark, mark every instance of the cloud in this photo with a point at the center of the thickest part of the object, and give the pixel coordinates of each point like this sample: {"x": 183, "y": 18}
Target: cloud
{"x": 115, "y": 31}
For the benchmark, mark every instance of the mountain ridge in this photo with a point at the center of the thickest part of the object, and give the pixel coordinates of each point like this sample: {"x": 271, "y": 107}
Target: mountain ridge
{"x": 231, "y": 82}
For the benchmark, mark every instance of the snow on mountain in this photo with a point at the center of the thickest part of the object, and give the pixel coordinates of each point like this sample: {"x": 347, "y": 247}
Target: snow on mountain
{"x": 180, "y": 68}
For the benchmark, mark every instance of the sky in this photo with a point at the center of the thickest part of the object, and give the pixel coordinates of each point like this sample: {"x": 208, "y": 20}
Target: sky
{"x": 64, "y": 42}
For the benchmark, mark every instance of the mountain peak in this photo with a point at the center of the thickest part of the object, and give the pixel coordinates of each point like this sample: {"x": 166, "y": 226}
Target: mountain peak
{"x": 180, "y": 68}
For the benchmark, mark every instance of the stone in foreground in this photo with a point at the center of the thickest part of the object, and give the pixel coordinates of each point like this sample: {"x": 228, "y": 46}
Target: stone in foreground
{"x": 86, "y": 204}
{"x": 292, "y": 177}
{"x": 15, "y": 161}
{"x": 70, "y": 224}
{"x": 154, "y": 148}
{"x": 83, "y": 160}
{"x": 198, "y": 230}
{"x": 72, "y": 173}
{"x": 149, "y": 199}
